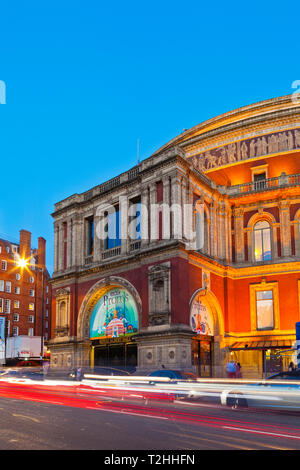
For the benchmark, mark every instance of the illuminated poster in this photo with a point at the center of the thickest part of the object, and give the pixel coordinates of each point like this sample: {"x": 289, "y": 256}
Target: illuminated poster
{"x": 200, "y": 320}
{"x": 114, "y": 315}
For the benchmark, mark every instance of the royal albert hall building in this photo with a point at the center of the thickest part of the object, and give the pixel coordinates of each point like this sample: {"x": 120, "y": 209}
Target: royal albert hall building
{"x": 150, "y": 300}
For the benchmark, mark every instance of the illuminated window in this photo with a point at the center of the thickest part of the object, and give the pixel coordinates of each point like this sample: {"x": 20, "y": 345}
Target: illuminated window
{"x": 264, "y": 310}
{"x": 264, "y": 306}
{"x": 31, "y": 306}
{"x": 262, "y": 241}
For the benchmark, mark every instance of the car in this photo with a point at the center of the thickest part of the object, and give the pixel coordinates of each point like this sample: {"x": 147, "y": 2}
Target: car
{"x": 173, "y": 374}
{"x": 287, "y": 375}
{"x": 279, "y": 391}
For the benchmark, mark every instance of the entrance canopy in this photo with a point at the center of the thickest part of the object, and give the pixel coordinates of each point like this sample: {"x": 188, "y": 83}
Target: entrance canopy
{"x": 261, "y": 345}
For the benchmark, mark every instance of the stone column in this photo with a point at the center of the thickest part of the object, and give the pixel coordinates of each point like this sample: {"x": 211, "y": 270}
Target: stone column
{"x": 214, "y": 229}
{"x": 124, "y": 223}
{"x": 145, "y": 216}
{"x": 69, "y": 242}
{"x": 285, "y": 227}
{"x": 153, "y": 213}
{"x": 166, "y": 219}
{"x": 176, "y": 203}
{"x": 239, "y": 234}
{"x": 61, "y": 247}
{"x": 56, "y": 243}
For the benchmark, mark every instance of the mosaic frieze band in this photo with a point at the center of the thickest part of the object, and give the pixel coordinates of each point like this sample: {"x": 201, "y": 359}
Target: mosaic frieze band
{"x": 251, "y": 148}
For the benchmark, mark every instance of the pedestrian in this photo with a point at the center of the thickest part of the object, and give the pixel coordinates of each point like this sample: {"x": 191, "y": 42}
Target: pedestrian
{"x": 79, "y": 374}
{"x": 291, "y": 366}
{"x": 231, "y": 369}
{"x": 238, "y": 372}
{"x": 46, "y": 366}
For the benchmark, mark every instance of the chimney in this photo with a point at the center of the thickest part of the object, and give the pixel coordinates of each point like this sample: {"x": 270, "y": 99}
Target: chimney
{"x": 41, "y": 251}
{"x": 25, "y": 244}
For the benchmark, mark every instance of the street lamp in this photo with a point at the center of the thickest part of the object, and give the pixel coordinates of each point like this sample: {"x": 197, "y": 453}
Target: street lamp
{"x": 23, "y": 263}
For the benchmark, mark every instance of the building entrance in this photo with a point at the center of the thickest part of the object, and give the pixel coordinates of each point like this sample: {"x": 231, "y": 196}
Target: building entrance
{"x": 118, "y": 355}
{"x": 202, "y": 351}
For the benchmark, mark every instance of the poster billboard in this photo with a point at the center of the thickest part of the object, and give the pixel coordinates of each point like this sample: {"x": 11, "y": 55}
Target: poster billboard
{"x": 114, "y": 315}
{"x": 200, "y": 320}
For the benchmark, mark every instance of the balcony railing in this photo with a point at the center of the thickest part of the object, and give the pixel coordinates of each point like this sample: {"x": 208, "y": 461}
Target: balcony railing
{"x": 135, "y": 246}
{"x": 111, "y": 253}
{"x": 264, "y": 185}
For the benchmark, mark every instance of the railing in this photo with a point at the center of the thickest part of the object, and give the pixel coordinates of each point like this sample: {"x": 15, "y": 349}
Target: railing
{"x": 89, "y": 259}
{"x": 111, "y": 253}
{"x": 264, "y": 185}
{"x": 135, "y": 246}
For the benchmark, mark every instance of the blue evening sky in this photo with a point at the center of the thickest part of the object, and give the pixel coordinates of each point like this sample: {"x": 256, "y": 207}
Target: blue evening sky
{"x": 86, "y": 79}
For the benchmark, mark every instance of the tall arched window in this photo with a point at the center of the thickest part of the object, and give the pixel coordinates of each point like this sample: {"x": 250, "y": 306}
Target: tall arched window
{"x": 262, "y": 241}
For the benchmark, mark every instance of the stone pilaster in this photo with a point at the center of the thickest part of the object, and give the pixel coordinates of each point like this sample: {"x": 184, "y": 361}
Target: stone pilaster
{"x": 239, "y": 234}
{"x": 285, "y": 227}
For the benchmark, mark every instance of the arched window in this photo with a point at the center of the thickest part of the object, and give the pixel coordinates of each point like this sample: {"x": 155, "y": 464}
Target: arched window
{"x": 262, "y": 241}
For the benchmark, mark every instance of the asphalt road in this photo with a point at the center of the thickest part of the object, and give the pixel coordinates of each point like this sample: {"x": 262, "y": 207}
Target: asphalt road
{"x": 67, "y": 420}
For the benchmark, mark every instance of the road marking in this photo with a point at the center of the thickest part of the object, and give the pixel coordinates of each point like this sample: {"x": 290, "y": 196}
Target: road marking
{"x": 262, "y": 432}
{"x": 26, "y": 417}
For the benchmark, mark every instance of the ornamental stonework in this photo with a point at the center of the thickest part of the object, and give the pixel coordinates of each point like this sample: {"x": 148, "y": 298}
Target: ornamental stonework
{"x": 243, "y": 150}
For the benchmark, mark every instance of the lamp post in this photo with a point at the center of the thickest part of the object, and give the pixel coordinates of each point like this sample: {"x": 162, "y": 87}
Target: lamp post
{"x": 23, "y": 263}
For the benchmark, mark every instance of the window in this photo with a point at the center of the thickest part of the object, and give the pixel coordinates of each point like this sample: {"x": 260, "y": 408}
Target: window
{"x": 31, "y": 279}
{"x": 6, "y": 306}
{"x": 30, "y": 331}
{"x": 1, "y": 305}
{"x": 260, "y": 176}
{"x": 17, "y": 290}
{"x": 264, "y": 306}
{"x": 90, "y": 236}
{"x": 16, "y": 304}
{"x": 262, "y": 241}
{"x": 16, "y": 317}
{"x": 31, "y": 292}
{"x": 15, "y": 331}
{"x": 46, "y": 314}
{"x": 1, "y": 286}
{"x": 31, "y": 319}
{"x": 264, "y": 310}
{"x": 18, "y": 276}
{"x": 8, "y": 286}
{"x": 112, "y": 230}
{"x": 134, "y": 218}
{"x": 4, "y": 265}
{"x": 31, "y": 306}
